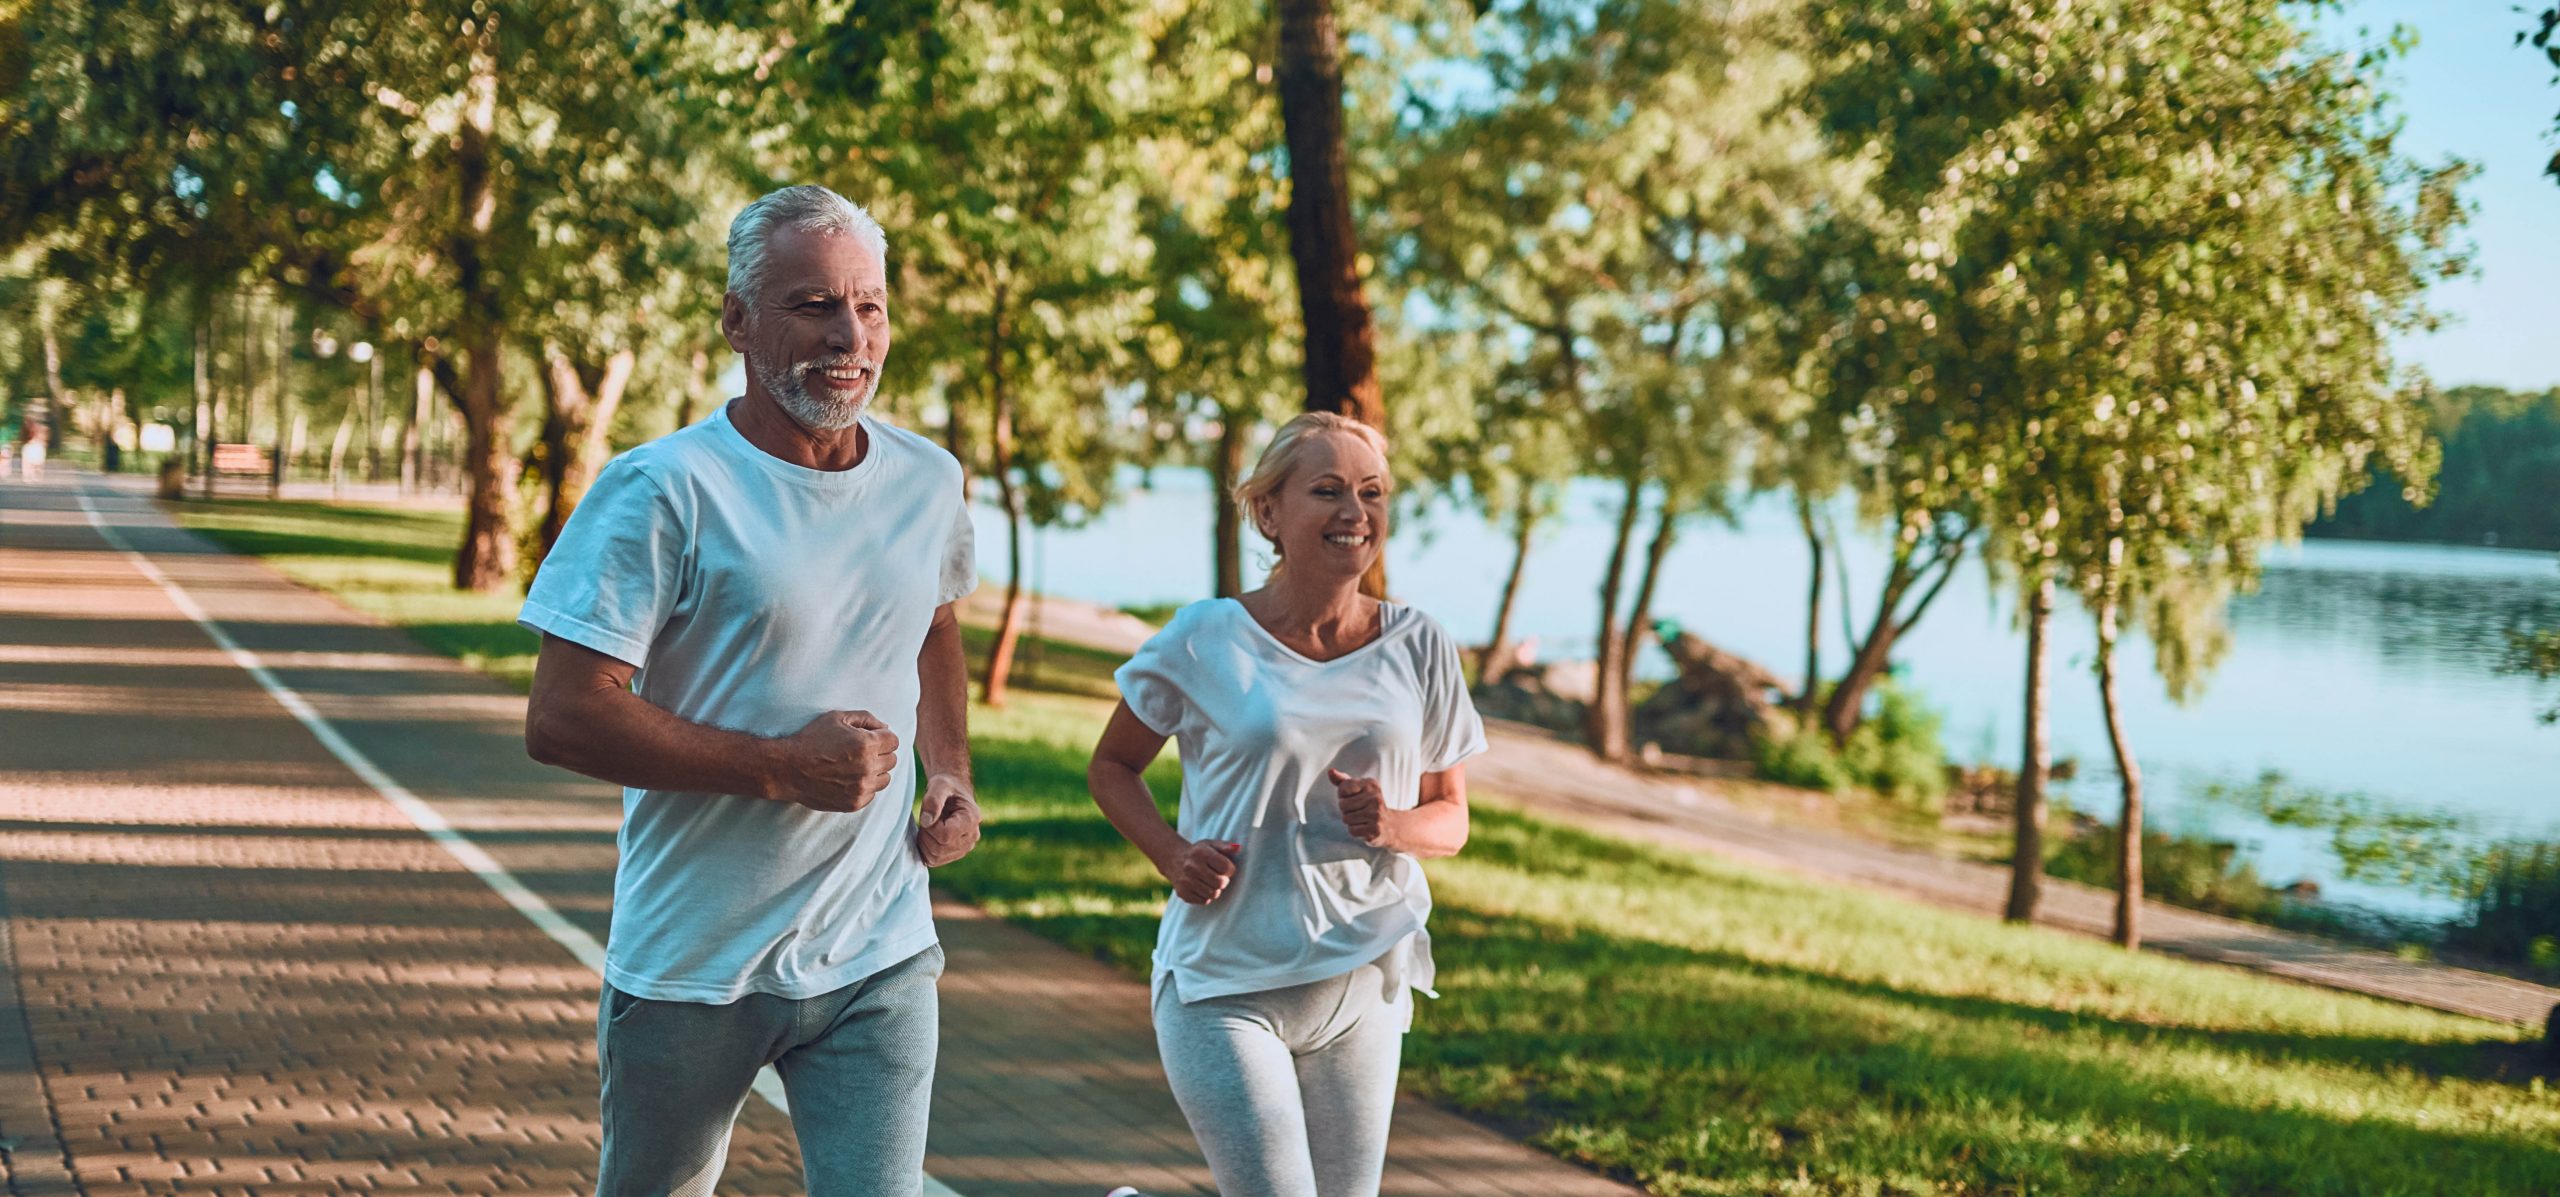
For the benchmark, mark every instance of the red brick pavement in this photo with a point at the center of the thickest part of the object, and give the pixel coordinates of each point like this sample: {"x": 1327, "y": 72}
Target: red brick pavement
{"x": 227, "y": 965}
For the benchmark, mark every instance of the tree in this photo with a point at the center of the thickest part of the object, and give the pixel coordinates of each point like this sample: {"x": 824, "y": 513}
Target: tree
{"x": 1215, "y": 346}
{"x": 2541, "y": 35}
{"x": 1017, "y": 268}
{"x": 2155, "y": 254}
{"x": 2501, "y": 463}
{"x": 387, "y": 161}
{"x": 2538, "y": 652}
{"x": 1340, "y": 337}
{"x": 1593, "y": 211}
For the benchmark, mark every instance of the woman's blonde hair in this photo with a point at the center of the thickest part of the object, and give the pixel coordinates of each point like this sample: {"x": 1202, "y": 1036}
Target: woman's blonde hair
{"x": 1280, "y": 460}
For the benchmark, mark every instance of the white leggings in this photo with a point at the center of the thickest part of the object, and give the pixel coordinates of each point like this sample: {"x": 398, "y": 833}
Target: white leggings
{"x": 1288, "y": 1090}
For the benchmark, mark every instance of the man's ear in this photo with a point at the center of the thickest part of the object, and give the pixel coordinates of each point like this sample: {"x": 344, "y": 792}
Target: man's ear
{"x": 733, "y": 320}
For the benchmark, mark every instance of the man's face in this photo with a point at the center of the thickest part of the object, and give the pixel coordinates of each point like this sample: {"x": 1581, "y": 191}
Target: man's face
{"x": 817, "y": 332}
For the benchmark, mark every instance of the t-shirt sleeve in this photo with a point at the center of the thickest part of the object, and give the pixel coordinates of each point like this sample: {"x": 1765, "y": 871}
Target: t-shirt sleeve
{"x": 1451, "y": 729}
{"x": 614, "y": 577}
{"x": 959, "y": 552}
{"x": 1149, "y": 681}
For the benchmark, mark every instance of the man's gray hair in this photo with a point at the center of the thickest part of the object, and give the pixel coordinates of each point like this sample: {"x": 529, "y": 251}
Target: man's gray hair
{"x": 808, "y": 208}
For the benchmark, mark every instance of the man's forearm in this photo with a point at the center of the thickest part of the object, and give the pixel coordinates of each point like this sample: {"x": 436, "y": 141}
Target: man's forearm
{"x": 942, "y": 706}
{"x": 615, "y": 735}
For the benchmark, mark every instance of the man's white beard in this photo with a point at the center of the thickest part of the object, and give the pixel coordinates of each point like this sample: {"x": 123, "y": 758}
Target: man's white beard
{"x": 789, "y": 387}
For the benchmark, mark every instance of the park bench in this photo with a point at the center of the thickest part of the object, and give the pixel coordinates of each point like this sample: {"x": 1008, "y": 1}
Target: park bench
{"x": 242, "y": 459}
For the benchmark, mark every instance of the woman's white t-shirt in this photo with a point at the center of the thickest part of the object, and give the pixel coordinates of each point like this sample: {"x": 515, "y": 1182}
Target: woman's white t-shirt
{"x": 1258, "y": 726}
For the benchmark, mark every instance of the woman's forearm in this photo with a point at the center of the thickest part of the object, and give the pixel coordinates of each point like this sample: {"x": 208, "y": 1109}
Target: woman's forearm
{"x": 1125, "y": 799}
{"x": 1430, "y": 830}
{"x": 1437, "y": 825}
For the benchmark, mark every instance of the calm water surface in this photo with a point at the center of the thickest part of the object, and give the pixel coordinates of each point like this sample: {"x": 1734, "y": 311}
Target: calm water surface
{"x": 2357, "y": 667}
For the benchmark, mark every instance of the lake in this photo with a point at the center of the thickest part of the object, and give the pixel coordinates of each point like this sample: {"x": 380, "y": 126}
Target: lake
{"x": 2356, "y": 667}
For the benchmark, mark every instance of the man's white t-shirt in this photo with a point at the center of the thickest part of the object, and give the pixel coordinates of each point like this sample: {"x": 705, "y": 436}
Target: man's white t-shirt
{"x": 1258, "y": 725}
{"x": 755, "y": 595}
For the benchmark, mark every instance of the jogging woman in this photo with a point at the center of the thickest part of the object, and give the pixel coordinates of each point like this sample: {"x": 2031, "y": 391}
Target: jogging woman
{"x": 1321, "y": 734}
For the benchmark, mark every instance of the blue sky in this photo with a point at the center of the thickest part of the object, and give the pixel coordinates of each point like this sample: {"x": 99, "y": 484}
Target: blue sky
{"x": 2468, "y": 90}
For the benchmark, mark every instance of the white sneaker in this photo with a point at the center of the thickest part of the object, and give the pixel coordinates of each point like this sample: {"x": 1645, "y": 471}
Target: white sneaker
{"x": 1124, "y": 1191}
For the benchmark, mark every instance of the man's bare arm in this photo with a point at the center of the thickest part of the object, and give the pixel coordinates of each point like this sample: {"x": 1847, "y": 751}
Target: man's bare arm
{"x": 942, "y": 707}
{"x": 947, "y": 826}
{"x": 583, "y": 717}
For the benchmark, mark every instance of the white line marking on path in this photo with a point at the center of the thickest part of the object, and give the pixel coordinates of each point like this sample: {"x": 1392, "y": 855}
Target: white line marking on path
{"x": 567, "y": 934}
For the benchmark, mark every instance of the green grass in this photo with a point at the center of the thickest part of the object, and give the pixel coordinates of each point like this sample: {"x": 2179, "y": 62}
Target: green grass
{"x": 1707, "y": 1028}
{"x": 395, "y": 564}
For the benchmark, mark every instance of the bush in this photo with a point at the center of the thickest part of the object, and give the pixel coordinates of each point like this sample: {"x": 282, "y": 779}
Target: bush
{"x": 2513, "y": 905}
{"x": 1895, "y": 753}
{"x": 2198, "y": 874}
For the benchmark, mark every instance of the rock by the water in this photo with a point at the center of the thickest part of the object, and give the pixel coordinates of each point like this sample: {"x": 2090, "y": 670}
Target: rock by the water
{"x": 1717, "y": 706}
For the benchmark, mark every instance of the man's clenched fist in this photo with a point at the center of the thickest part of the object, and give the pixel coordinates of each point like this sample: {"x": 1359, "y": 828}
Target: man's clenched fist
{"x": 839, "y": 762}
{"x": 947, "y": 826}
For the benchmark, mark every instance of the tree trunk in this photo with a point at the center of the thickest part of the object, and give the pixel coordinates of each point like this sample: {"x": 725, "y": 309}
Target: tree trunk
{"x": 2026, "y": 862}
{"x": 1341, "y": 342}
{"x": 338, "y": 449}
{"x": 413, "y": 448}
{"x": 280, "y": 358}
{"x": 1846, "y": 707}
{"x": 203, "y": 430}
{"x": 1640, "y": 615}
{"x": 2128, "y": 929}
{"x": 1497, "y": 651}
{"x": 581, "y": 402}
{"x": 248, "y": 372}
{"x": 1806, "y": 698}
{"x": 486, "y": 561}
{"x": 1000, "y": 462}
{"x": 695, "y": 389}
{"x": 1226, "y": 470}
{"x": 375, "y": 423}
{"x": 48, "y": 418}
{"x": 1605, "y": 722}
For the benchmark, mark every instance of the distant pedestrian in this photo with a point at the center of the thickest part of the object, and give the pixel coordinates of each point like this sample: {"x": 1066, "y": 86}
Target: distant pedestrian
{"x": 1321, "y": 733}
{"x": 779, "y": 580}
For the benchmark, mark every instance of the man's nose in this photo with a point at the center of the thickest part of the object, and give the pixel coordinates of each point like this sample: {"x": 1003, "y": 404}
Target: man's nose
{"x": 844, "y": 333}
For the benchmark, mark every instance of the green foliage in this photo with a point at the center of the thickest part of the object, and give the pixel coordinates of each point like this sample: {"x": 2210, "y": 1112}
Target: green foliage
{"x": 2541, "y": 33}
{"x": 2198, "y": 874}
{"x": 2512, "y": 907}
{"x": 2501, "y": 466}
{"x": 2373, "y": 839}
{"x": 2536, "y": 653}
{"x": 2133, "y": 307}
{"x": 1895, "y": 752}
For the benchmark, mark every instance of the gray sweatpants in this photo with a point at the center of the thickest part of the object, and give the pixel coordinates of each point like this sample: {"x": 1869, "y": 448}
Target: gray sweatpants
{"x": 1288, "y": 1090}
{"x": 857, "y": 1065}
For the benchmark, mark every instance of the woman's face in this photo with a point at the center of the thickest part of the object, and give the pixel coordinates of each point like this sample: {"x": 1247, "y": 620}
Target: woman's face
{"x": 1330, "y": 517}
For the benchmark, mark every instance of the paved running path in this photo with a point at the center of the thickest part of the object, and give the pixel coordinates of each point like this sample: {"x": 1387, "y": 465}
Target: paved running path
{"x": 230, "y": 964}
{"x": 1539, "y": 772}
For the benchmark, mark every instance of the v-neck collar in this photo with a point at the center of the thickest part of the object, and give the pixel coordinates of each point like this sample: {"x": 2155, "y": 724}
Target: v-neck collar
{"x": 1390, "y": 621}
